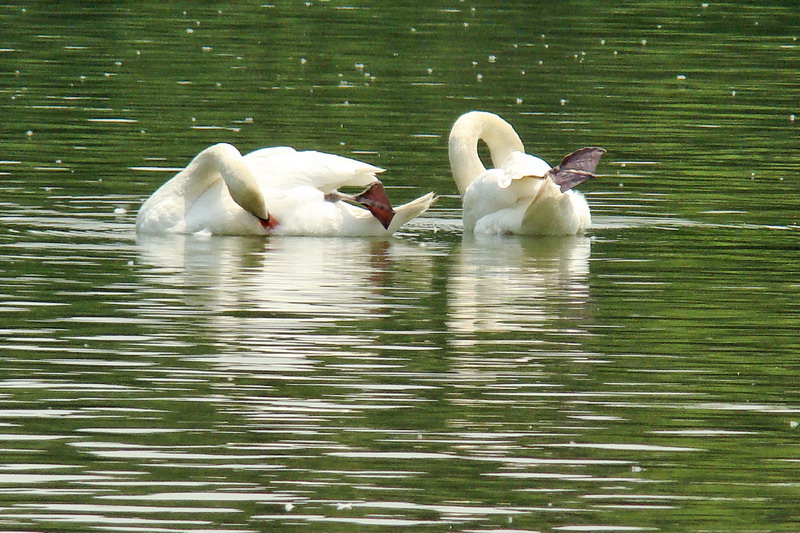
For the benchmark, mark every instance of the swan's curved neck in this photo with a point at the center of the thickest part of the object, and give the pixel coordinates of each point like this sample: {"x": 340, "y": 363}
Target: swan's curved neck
{"x": 225, "y": 160}
{"x": 471, "y": 127}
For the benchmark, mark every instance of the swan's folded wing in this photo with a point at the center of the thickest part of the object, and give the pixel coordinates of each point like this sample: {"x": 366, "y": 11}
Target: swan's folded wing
{"x": 286, "y": 168}
{"x": 521, "y": 165}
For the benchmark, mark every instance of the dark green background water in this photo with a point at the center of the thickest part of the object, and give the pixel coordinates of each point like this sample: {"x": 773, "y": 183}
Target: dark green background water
{"x": 643, "y": 377}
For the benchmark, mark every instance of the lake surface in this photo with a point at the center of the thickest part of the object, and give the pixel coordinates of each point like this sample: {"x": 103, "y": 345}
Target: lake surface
{"x": 642, "y": 377}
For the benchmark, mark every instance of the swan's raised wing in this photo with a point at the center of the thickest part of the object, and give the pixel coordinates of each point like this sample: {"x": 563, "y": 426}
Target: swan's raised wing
{"x": 285, "y": 168}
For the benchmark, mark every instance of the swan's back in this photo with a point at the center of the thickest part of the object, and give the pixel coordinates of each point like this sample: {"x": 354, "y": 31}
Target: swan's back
{"x": 221, "y": 192}
{"x": 284, "y": 168}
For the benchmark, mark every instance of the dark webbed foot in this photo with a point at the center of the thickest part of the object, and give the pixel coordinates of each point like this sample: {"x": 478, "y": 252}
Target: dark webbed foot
{"x": 373, "y": 198}
{"x": 576, "y": 167}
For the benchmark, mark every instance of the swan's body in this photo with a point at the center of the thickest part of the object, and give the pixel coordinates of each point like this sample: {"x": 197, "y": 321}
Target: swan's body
{"x": 523, "y": 194}
{"x": 271, "y": 191}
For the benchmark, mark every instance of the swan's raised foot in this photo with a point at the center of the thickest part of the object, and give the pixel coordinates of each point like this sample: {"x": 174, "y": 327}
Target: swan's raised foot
{"x": 373, "y": 198}
{"x": 576, "y": 167}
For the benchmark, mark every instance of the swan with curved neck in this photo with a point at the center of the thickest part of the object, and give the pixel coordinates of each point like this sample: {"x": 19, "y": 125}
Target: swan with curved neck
{"x": 274, "y": 191}
{"x": 522, "y": 194}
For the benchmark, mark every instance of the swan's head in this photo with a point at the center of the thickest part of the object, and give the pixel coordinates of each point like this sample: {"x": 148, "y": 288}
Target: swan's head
{"x": 254, "y": 204}
{"x": 251, "y": 199}
{"x": 241, "y": 184}
{"x": 268, "y": 223}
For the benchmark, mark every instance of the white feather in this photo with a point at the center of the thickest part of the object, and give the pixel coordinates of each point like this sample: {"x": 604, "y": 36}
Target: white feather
{"x": 222, "y": 192}
{"x": 516, "y": 196}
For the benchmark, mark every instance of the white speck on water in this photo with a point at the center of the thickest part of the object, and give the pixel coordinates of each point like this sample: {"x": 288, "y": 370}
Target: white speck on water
{"x": 479, "y": 77}
{"x": 563, "y": 101}
{"x": 681, "y": 77}
{"x": 792, "y": 117}
{"x": 643, "y": 41}
{"x": 189, "y": 30}
{"x": 794, "y": 424}
{"x": 492, "y": 58}
{"x": 120, "y": 211}
{"x": 733, "y": 93}
{"x": 303, "y": 60}
{"x": 519, "y": 101}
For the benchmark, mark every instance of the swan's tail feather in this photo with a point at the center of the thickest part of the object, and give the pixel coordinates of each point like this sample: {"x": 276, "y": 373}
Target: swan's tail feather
{"x": 407, "y": 212}
{"x": 576, "y": 167}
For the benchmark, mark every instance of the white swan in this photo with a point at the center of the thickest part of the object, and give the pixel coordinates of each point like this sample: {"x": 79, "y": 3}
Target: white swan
{"x": 274, "y": 191}
{"x": 523, "y": 194}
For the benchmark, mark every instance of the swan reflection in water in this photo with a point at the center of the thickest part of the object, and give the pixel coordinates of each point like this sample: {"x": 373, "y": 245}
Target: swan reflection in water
{"x": 282, "y": 297}
{"x": 306, "y": 295}
{"x": 501, "y": 283}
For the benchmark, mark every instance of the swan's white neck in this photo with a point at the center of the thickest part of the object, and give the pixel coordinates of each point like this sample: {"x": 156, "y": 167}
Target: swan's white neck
{"x": 471, "y": 127}
{"x": 229, "y": 163}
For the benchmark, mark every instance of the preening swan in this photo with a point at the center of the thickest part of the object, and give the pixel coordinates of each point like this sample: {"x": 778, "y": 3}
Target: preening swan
{"x": 274, "y": 191}
{"x": 523, "y": 194}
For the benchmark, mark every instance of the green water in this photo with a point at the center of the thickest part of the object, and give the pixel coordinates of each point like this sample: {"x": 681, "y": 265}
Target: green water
{"x": 642, "y": 377}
